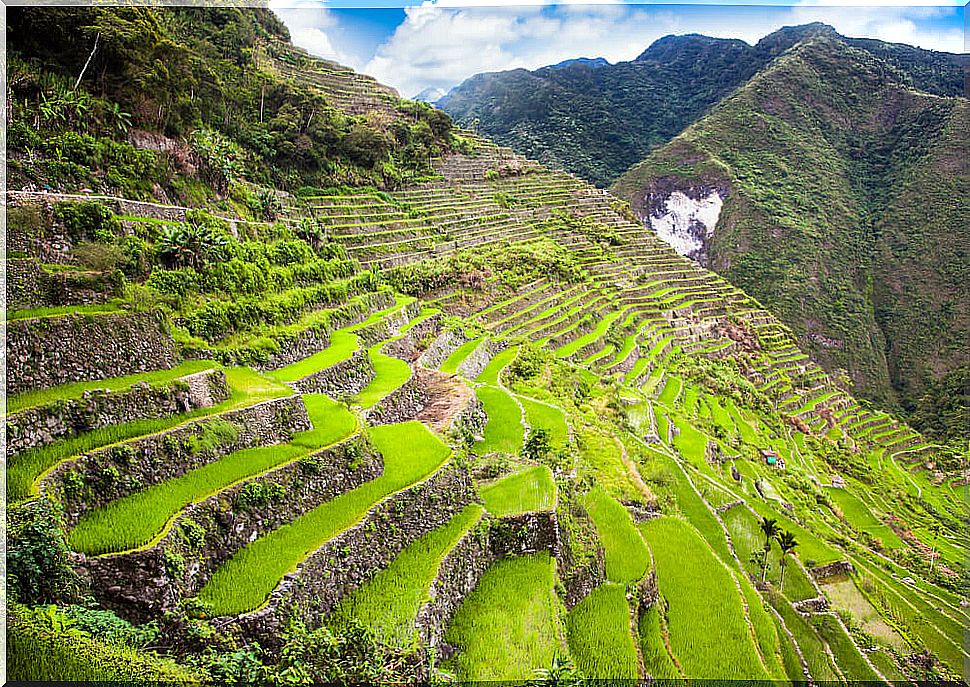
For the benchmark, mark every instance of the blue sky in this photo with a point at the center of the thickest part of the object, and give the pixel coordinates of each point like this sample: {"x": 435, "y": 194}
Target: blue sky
{"x": 439, "y": 43}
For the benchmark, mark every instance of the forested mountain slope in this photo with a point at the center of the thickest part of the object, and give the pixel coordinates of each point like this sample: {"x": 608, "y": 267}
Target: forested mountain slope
{"x": 287, "y": 407}
{"x": 597, "y": 122}
{"x": 845, "y": 193}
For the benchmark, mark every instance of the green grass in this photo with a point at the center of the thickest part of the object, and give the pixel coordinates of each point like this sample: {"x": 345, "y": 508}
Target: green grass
{"x": 36, "y": 654}
{"x": 748, "y": 539}
{"x": 524, "y": 492}
{"x": 491, "y": 372}
{"x": 503, "y": 431}
{"x": 390, "y": 374}
{"x": 627, "y": 558}
{"x": 691, "y": 443}
{"x": 62, "y": 310}
{"x": 411, "y": 452}
{"x": 343, "y": 344}
{"x": 859, "y": 516}
{"x": 40, "y": 397}
{"x": 598, "y": 629}
{"x": 390, "y": 602}
{"x": 450, "y": 366}
{"x": 670, "y": 391}
{"x": 247, "y": 388}
{"x": 568, "y": 349}
{"x": 813, "y": 648}
{"x": 137, "y": 519}
{"x": 546, "y": 417}
{"x": 656, "y": 660}
{"x": 705, "y": 617}
{"x": 847, "y": 655}
{"x": 510, "y": 624}
{"x": 601, "y": 453}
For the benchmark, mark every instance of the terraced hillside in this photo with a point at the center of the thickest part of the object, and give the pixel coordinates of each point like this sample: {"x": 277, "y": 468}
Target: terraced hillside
{"x": 482, "y": 424}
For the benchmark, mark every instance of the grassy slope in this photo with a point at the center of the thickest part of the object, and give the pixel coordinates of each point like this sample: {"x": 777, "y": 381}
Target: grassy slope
{"x": 243, "y": 582}
{"x": 514, "y": 601}
{"x": 523, "y": 492}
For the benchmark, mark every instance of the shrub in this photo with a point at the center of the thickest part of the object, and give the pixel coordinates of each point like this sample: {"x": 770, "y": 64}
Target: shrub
{"x": 38, "y": 568}
{"x": 87, "y": 220}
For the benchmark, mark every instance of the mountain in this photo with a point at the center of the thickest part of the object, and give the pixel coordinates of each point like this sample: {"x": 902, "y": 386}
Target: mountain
{"x": 310, "y": 386}
{"x": 597, "y": 123}
{"x": 845, "y": 197}
{"x": 431, "y": 94}
{"x": 590, "y": 62}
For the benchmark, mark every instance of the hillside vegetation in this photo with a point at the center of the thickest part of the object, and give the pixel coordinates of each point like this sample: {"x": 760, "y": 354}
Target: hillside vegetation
{"x": 846, "y": 192}
{"x": 597, "y": 120}
{"x": 434, "y": 415}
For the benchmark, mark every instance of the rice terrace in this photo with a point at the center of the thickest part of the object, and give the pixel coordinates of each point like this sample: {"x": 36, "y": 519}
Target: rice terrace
{"x": 310, "y": 383}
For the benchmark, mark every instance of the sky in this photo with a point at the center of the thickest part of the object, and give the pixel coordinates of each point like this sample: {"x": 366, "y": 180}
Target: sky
{"x": 439, "y": 43}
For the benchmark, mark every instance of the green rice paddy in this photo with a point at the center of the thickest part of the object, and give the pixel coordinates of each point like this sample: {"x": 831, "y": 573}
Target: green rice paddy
{"x": 503, "y": 431}
{"x": 137, "y": 519}
{"x": 490, "y": 375}
{"x": 411, "y": 452}
{"x": 390, "y": 374}
{"x": 343, "y": 344}
{"x": 511, "y": 624}
{"x": 390, "y": 602}
{"x": 547, "y": 417}
{"x": 599, "y": 634}
{"x": 627, "y": 558}
{"x": 710, "y": 638}
{"x": 453, "y": 361}
{"x": 527, "y": 491}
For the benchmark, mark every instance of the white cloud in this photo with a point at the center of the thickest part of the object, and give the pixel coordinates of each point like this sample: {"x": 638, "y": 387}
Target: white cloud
{"x": 442, "y": 42}
{"x": 310, "y": 24}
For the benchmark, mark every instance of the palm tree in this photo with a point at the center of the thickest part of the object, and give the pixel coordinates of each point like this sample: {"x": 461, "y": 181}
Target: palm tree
{"x": 787, "y": 543}
{"x": 769, "y": 527}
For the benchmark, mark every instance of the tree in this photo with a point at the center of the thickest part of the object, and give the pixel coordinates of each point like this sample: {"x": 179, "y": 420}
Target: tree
{"x": 537, "y": 445}
{"x": 787, "y": 543}
{"x": 190, "y": 245}
{"x": 769, "y": 527}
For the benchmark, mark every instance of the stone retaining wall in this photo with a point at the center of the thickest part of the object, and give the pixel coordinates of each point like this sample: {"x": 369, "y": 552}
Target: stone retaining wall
{"x": 142, "y": 584}
{"x": 341, "y": 380}
{"x": 459, "y": 572}
{"x": 478, "y": 359}
{"x": 410, "y": 346}
{"x": 30, "y": 286}
{"x": 528, "y": 533}
{"x": 832, "y": 569}
{"x": 389, "y": 326}
{"x": 101, "y": 408}
{"x": 442, "y": 347}
{"x": 96, "y": 478}
{"x": 401, "y": 405}
{"x": 47, "y": 352}
{"x": 315, "y": 339}
{"x": 352, "y": 558}
{"x": 818, "y": 604}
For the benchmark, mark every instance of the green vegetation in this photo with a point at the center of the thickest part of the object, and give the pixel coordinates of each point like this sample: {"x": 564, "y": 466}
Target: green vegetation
{"x": 503, "y": 431}
{"x": 411, "y": 452}
{"x": 342, "y": 346}
{"x": 527, "y": 491}
{"x": 490, "y": 375}
{"x": 627, "y": 558}
{"x": 450, "y": 366}
{"x": 514, "y": 600}
{"x": 136, "y": 520}
{"x": 40, "y": 397}
{"x": 544, "y": 416}
{"x": 709, "y": 639}
{"x": 390, "y": 374}
{"x": 599, "y": 634}
{"x": 247, "y": 388}
{"x": 389, "y": 603}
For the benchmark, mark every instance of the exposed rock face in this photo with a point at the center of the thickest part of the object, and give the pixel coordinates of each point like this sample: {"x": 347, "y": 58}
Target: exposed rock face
{"x": 96, "y": 478}
{"x": 687, "y": 223}
{"x": 100, "y": 408}
{"x": 141, "y": 584}
{"x": 74, "y": 348}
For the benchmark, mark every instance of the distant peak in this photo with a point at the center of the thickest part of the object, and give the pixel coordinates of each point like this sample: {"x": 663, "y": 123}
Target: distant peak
{"x": 591, "y": 62}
